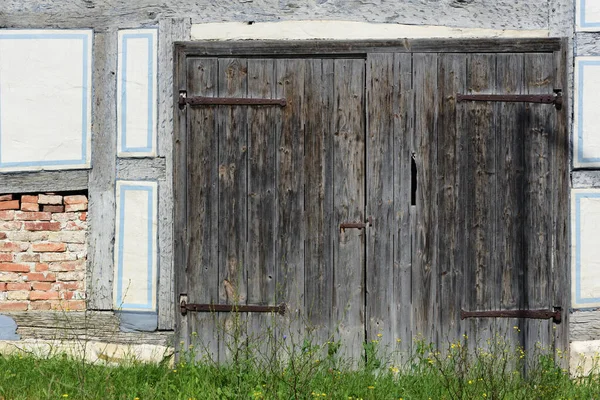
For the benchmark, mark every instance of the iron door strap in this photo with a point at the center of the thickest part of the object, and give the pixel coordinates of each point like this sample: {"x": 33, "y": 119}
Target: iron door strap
{"x": 356, "y": 225}
{"x": 227, "y": 101}
{"x": 555, "y": 98}
{"x": 185, "y": 307}
{"x": 555, "y": 314}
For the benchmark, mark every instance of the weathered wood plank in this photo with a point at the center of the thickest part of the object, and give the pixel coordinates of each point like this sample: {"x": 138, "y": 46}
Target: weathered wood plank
{"x": 44, "y": 181}
{"x": 382, "y": 156}
{"x": 318, "y": 166}
{"x": 584, "y": 325}
{"x": 290, "y": 75}
{"x": 169, "y": 31}
{"x": 101, "y": 217}
{"x": 451, "y": 80}
{"x": 233, "y": 194}
{"x": 349, "y": 204}
{"x": 424, "y": 265}
{"x": 262, "y": 150}
{"x": 202, "y": 174}
{"x": 500, "y": 14}
{"x": 588, "y": 44}
{"x": 403, "y": 130}
{"x": 141, "y": 169}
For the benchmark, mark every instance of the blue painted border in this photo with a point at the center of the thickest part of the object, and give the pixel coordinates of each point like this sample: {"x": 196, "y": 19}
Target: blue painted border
{"x": 578, "y": 298}
{"x": 580, "y": 158}
{"x": 119, "y": 283}
{"x": 84, "y": 106}
{"x": 582, "y": 20}
{"x": 150, "y": 101}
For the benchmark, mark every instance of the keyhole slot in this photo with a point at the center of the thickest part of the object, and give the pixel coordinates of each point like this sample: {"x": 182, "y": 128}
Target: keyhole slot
{"x": 413, "y": 181}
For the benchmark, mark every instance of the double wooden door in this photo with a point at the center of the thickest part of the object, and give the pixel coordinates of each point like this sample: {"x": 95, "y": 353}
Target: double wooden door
{"x": 373, "y": 203}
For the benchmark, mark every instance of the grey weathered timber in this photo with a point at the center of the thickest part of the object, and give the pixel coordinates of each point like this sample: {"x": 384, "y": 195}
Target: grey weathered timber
{"x": 202, "y": 173}
{"x": 424, "y": 257}
{"x": 584, "y": 325}
{"x": 588, "y": 44}
{"x": 320, "y": 226}
{"x": 382, "y": 156}
{"x": 502, "y": 14}
{"x": 145, "y": 169}
{"x": 101, "y": 219}
{"x": 100, "y": 326}
{"x": 169, "y": 31}
{"x": 233, "y": 194}
{"x": 289, "y": 256}
{"x": 44, "y": 181}
{"x": 561, "y": 15}
{"x": 260, "y": 252}
{"x": 450, "y": 155}
{"x": 582, "y": 179}
{"x": 349, "y": 204}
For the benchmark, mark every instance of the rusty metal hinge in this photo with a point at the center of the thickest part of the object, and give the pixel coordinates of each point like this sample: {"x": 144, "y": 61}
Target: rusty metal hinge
{"x": 555, "y": 98}
{"x": 356, "y": 225}
{"x": 555, "y": 314}
{"x": 226, "y": 101}
{"x": 185, "y": 307}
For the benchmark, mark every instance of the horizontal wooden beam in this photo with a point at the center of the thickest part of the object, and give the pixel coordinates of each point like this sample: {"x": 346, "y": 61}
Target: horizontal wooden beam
{"x": 141, "y": 169}
{"x": 44, "y": 181}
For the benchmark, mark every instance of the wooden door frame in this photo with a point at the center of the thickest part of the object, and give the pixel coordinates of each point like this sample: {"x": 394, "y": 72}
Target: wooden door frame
{"x": 312, "y": 48}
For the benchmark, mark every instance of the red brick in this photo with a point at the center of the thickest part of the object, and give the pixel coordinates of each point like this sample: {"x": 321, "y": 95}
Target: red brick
{"x": 10, "y": 226}
{"x": 66, "y": 266}
{"x": 71, "y": 285}
{"x": 7, "y": 215}
{"x": 27, "y": 257}
{"x": 6, "y": 257}
{"x": 46, "y": 247}
{"x": 40, "y": 277}
{"x": 14, "y": 306}
{"x": 11, "y": 267}
{"x": 43, "y": 295}
{"x": 45, "y": 286}
{"x": 30, "y": 207}
{"x": 2, "y": 286}
{"x": 76, "y": 207}
{"x": 42, "y": 226}
{"x": 83, "y": 216}
{"x": 33, "y": 216}
{"x": 13, "y": 247}
{"x": 53, "y": 209}
{"x": 2, "y": 235}
{"x": 9, "y": 205}
{"x": 18, "y": 286}
{"x": 40, "y": 306}
{"x": 50, "y": 199}
{"x": 41, "y": 267}
{"x": 78, "y": 199}
{"x": 6, "y": 197}
{"x": 26, "y": 198}
{"x": 71, "y": 305}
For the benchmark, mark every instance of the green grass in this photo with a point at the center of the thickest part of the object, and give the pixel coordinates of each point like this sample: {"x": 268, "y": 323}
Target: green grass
{"x": 309, "y": 372}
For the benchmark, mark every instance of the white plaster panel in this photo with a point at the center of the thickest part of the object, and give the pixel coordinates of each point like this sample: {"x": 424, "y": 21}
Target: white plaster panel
{"x": 136, "y": 93}
{"x": 45, "y": 99}
{"x": 585, "y": 220}
{"x": 588, "y": 15}
{"x": 345, "y": 30}
{"x": 586, "y": 132}
{"x": 135, "y": 279}
{"x": 584, "y": 357}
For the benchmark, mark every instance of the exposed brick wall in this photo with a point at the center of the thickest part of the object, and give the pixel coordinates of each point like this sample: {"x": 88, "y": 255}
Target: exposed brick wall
{"x": 42, "y": 252}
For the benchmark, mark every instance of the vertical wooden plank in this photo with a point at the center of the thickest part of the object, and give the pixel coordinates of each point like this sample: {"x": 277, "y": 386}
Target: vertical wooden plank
{"x": 559, "y": 145}
{"x": 201, "y": 214}
{"x": 261, "y": 194}
{"x": 451, "y": 80}
{"x": 403, "y": 130}
{"x": 169, "y": 30}
{"x": 101, "y": 220}
{"x": 349, "y": 204}
{"x": 381, "y": 316}
{"x": 539, "y": 78}
{"x": 318, "y": 166}
{"x": 232, "y": 131}
{"x": 290, "y": 75}
{"x": 425, "y": 274}
{"x": 481, "y": 77}
{"x": 510, "y": 241}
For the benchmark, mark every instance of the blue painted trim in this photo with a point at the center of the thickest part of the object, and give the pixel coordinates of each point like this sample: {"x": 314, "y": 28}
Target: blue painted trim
{"x": 150, "y": 100}
{"x": 578, "y": 298}
{"x": 84, "y": 106}
{"x": 582, "y": 19}
{"x": 580, "y": 158}
{"x": 119, "y": 300}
